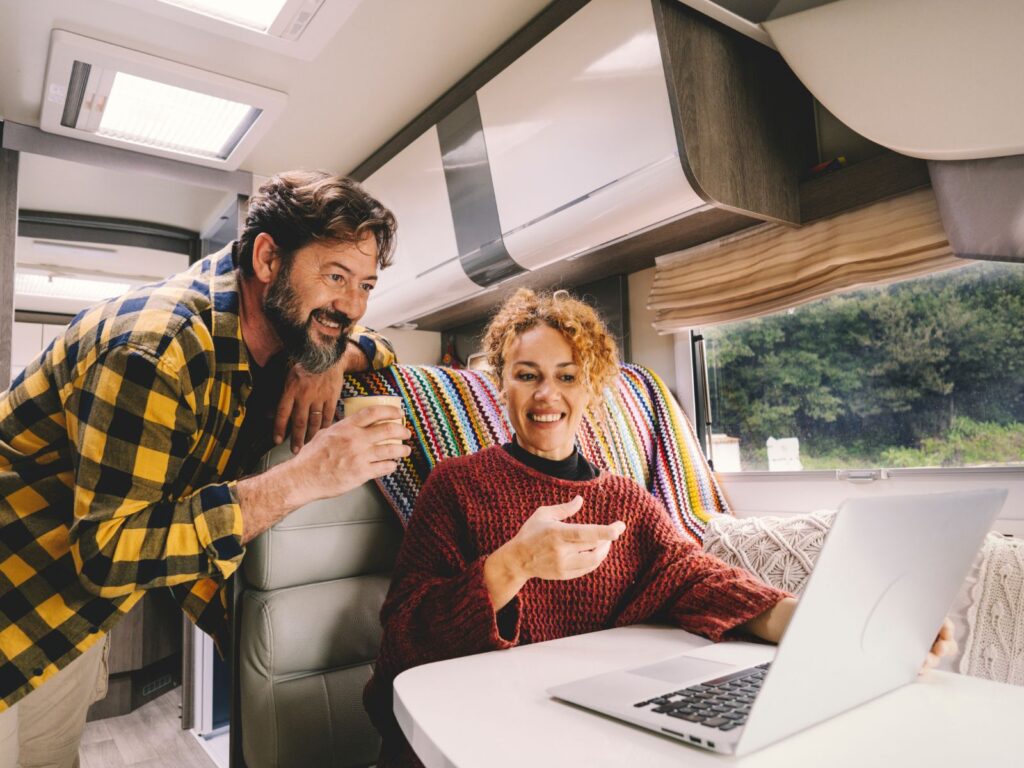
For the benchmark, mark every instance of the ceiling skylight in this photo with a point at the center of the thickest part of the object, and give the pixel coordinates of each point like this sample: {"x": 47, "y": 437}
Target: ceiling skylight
{"x": 178, "y": 120}
{"x": 99, "y": 92}
{"x": 297, "y": 28}
{"x": 58, "y": 287}
{"x": 254, "y": 14}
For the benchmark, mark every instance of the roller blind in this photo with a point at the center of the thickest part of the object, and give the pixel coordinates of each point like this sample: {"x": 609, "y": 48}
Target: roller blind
{"x": 772, "y": 268}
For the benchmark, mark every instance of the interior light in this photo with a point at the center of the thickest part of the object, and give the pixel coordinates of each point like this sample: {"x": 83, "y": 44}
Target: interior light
{"x": 254, "y": 14}
{"x": 175, "y": 119}
{"x": 98, "y": 92}
{"x": 59, "y": 287}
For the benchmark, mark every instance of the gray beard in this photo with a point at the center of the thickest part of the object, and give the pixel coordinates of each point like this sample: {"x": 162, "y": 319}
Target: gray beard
{"x": 281, "y": 306}
{"x": 316, "y": 358}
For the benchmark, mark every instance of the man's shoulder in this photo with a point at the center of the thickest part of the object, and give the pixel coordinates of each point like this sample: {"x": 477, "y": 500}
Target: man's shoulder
{"x": 167, "y": 320}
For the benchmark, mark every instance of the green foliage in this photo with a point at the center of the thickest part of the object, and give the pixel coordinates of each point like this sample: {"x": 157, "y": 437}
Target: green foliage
{"x": 968, "y": 443}
{"x": 924, "y": 372}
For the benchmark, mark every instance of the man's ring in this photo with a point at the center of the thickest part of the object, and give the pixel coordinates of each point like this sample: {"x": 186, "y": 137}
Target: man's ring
{"x": 315, "y": 413}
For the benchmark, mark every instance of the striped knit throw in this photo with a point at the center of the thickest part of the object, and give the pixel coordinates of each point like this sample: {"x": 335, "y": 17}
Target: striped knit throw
{"x": 640, "y": 433}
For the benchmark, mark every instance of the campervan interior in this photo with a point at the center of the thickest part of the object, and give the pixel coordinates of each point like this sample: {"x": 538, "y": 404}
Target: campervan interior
{"x": 806, "y": 217}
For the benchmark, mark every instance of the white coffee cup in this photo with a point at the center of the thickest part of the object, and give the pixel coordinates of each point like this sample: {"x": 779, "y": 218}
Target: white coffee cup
{"x": 354, "y": 405}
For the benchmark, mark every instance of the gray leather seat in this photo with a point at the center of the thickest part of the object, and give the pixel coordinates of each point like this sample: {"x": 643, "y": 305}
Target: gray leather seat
{"x": 309, "y": 631}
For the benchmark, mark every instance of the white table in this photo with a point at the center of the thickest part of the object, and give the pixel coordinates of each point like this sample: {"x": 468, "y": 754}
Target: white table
{"x": 491, "y": 710}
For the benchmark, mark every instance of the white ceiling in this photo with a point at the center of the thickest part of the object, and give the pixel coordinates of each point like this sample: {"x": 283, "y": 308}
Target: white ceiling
{"x": 49, "y": 184}
{"x": 390, "y": 60}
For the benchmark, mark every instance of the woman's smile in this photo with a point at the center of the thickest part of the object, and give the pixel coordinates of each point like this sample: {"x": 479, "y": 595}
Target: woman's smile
{"x": 545, "y": 418}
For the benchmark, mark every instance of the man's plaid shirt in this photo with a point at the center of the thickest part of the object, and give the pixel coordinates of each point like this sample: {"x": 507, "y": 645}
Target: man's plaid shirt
{"x": 117, "y": 471}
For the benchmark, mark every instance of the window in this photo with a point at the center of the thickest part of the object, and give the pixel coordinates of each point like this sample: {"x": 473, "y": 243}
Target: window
{"x": 927, "y": 372}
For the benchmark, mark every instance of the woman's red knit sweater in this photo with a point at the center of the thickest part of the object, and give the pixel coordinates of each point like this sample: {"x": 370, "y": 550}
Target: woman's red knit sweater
{"x": 438, "y": 606}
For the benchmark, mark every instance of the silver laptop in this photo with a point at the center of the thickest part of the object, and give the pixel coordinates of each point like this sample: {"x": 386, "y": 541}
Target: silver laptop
{"x": 887, "y": 574}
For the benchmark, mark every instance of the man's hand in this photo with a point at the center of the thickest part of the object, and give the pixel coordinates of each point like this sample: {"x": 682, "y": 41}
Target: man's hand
{"x": 351, "y": 452}
{"x": 336, "y": 460}
{"x": 310, "y": 400}
{"x": 944, "y": 645}
{"x": 545, "y": 547}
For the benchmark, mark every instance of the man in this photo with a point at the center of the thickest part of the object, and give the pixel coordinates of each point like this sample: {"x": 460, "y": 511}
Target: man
{"x": 122, "y": 444}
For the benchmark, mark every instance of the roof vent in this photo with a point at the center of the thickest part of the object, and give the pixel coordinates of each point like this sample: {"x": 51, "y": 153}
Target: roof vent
{"x": 102, "y": 93}
{"x": 296, "y": 28}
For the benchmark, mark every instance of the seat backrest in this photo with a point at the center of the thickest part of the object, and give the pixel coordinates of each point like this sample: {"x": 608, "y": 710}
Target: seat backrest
{"x": 313, "y": 585}
{"x": 309, "y": 630}
{"x": 639, "y": 432}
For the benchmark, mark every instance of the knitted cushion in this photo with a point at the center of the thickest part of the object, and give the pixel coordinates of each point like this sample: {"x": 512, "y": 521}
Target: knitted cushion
{"x": 781, "y": 551}
{"x": 994, "y": 648}
{"x": 640, "y": 432}
{"x": 987, "y": 614}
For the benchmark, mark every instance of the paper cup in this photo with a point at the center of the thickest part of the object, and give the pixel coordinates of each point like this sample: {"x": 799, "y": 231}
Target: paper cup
{"x": 354, "y": 405}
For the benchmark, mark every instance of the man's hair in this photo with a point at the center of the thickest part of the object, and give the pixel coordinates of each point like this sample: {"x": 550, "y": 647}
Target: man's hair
{"x": 592, "y": 344}
{"x": 297, "y": 208}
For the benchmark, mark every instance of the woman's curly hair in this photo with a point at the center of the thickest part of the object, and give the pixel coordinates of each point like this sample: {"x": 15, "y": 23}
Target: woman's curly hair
{"x": 592, "y": 344}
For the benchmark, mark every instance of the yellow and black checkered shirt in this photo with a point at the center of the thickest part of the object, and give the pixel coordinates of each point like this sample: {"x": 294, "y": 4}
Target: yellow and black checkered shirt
{"x": 118, "y": 464}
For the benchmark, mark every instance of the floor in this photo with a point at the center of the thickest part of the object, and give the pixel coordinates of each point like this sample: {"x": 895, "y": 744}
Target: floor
{"x": 149, "y": 737}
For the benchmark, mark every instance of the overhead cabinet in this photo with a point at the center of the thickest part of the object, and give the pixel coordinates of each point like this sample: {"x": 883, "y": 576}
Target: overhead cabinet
{"x": 426, "y": 273}
{"x": 632, "y": 129}
{"x": 580, "y": 136}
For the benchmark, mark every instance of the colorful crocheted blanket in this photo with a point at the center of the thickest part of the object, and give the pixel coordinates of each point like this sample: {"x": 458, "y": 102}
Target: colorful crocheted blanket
{"x": 642, "y": 434}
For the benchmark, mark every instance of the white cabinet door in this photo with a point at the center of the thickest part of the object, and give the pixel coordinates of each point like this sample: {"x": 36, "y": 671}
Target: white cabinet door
{"x": 426, "y": 273}
{"x": 580, "y": 137}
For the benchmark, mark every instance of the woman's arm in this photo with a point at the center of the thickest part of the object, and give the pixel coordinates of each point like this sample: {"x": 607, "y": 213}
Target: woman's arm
{"x": 438, "y": 606}
{"x": 771, "y": 624}
{"x": 681, "y": 584}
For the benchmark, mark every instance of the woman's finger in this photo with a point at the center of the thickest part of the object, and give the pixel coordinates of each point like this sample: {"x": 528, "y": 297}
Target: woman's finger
{"x": 945, "y": 648}
{"x": 946, "y": 630}
{"x": 583, "y": 562}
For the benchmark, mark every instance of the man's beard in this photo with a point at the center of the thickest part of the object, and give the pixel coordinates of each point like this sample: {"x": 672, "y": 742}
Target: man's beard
{"x": 282, "y": 307}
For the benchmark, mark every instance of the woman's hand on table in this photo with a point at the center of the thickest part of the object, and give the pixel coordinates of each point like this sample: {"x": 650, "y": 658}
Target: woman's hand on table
{"x": 944, "y": 645}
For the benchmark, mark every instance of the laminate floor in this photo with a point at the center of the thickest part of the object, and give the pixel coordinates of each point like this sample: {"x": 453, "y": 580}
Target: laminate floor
{"x": 149, "y": 737}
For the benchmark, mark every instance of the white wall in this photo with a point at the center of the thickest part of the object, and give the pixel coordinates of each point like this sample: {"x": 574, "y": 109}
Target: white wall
{"x": 648, "y": 348}
{"x": 28, "y": 340}
{"x": 415, "y": 347}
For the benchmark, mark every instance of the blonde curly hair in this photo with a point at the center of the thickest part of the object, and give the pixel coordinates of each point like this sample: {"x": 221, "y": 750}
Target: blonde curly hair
{"x": 592, "y": 344}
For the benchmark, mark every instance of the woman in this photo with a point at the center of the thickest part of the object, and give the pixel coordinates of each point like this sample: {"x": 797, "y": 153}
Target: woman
{"x": 529, "y": 542}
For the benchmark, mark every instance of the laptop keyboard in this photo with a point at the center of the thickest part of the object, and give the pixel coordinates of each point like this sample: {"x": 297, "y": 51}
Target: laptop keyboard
{"x": 722, "y": 703}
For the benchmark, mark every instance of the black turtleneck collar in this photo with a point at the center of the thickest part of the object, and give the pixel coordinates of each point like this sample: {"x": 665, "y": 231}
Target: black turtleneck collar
{"x": 572, "y": 467}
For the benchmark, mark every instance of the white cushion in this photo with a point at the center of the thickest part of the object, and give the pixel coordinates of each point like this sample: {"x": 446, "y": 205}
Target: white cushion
{"x": 781, "y": 551}
{"x": 993, "y": 646}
